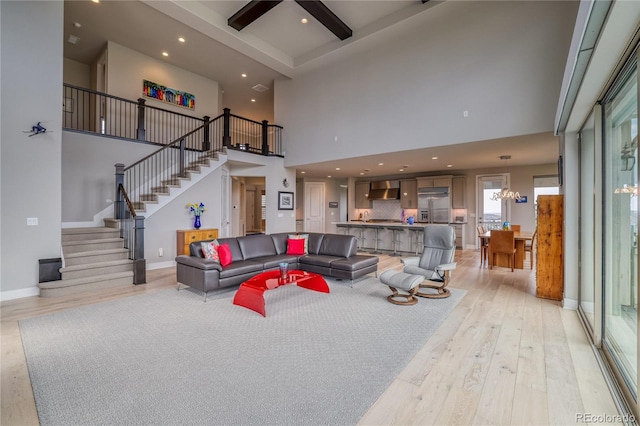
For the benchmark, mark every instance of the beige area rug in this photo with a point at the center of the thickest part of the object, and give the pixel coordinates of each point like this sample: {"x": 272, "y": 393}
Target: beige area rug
{"x": 170, "y": 359}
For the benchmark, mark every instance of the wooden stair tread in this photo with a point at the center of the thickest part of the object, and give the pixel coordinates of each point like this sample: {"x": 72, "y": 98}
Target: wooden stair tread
{"x": 96, "y": 265}
{"x": 85, "y": 280}
{"x": 94, "y": 253}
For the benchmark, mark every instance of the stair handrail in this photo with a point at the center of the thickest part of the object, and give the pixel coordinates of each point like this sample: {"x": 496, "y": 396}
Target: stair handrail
{"x": 131, "y": 231}
{"x": 173, "y": 143}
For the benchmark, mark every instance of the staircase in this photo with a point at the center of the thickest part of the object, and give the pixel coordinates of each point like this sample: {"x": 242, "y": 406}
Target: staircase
{"x": 95, "y": 258}
{"x": 150, "y": 202}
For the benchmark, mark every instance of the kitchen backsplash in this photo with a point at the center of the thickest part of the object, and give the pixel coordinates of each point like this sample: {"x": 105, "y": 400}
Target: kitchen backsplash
{"x": 387, "y": 209}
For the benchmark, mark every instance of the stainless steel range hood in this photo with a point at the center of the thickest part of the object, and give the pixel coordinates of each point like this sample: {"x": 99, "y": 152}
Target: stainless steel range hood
{"x": 385, "y": 190}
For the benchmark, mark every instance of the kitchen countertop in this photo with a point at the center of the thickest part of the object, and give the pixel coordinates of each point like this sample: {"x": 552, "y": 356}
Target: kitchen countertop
{"x": 386, "y": 224}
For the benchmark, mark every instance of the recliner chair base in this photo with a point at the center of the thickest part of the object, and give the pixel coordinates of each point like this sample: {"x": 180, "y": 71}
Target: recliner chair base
{"x": 441, "y": 294}
{"x": 410, "y": 298}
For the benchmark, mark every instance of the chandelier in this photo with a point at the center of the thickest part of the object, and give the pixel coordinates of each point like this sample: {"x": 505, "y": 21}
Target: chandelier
{"x": 505, "y": 193}
{"x": 627, "y": 189}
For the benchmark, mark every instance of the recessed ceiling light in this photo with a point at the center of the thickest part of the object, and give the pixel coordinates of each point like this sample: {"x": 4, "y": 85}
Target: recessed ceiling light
{"x": 329, "y": 176}
{"x": 380, "y": 164}
{"x": 73, "y": 39}
{"x": 401, "y": 170}
{"x": 449, "y": 165}
{"x": 253, "y": 100}
{"x": 77, "y": 24}
{"x": 165, "y": 54}
{"x": 244, "y": 75}
{"x": 303, "y": 172}
{"x": 434, "y": 158}
{"x": 337, "y": 168}
{"x": 96, "y": 1}
{"x": 181, "y": 39}
{"x": 304, "y": 20}
{"x": 361, "y": 173}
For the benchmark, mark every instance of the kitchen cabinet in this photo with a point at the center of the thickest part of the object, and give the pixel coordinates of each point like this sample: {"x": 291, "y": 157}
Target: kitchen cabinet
{"x": 434, "y": 182}
{"x": 458, "y": 192}
{"x": 362, "y": 195}
{"x": 409, "y": 194}
{"x": 186, "y": 237}
{"x": 549, "y": 255}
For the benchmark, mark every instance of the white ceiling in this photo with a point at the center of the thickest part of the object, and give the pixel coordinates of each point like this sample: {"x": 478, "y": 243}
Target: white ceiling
{"x": 277, "y": 44}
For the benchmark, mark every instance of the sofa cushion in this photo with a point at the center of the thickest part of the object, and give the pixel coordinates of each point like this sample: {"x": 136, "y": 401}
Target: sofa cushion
{"x": 318, "y": 260}
{"x": 315, "y": 240}
{"x": 210, "y": 250}
{"x": 338, "y": 245}
{"x": 256, "y": 246}
{"x": 224, "y": 253}
{"x": 280, "y": 242}
{"x": 305, "y": 240}
{"x": 295, "y": 246}
{"x": 236, "y": 253}
{"x": 241, "y": 267}
{"x": 271, "y": 262}
{"x": 354, "y": 263}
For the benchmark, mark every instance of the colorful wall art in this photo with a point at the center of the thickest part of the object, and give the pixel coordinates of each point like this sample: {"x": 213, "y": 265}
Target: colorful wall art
{"x": 170, "y": 96}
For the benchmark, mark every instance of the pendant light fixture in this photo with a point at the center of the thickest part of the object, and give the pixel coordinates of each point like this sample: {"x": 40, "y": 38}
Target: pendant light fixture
{"x": 505, "y": 193}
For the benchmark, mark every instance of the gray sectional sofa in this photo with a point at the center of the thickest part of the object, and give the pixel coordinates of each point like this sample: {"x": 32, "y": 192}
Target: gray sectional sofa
{"x": 332, "y": 255}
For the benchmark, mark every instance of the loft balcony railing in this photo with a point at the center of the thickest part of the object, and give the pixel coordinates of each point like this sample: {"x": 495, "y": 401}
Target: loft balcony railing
{"x": 98, "y": 113}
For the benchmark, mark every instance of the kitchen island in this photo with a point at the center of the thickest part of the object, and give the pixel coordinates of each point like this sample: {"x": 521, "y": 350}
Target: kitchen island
{"x": 408, "y": 238}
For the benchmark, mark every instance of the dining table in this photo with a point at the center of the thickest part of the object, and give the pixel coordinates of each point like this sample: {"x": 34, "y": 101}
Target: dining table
{"x": 521, "y": 239}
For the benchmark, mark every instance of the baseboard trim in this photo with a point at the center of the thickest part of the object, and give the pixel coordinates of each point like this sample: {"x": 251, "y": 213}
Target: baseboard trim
{"x": 160, "y": 265}
{"x": 19, "y": 294}
{"x": 571, "y": 304}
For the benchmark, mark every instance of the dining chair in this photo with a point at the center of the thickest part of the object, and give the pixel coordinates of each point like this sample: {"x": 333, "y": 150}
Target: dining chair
{"x": 502, "y": 242}
{"x": 484, "y": 244}
{"x": 528, "y": 247}
{"x": 515, "y": 228}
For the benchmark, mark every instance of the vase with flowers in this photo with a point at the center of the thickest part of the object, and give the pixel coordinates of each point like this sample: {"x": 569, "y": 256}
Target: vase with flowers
{"x": 197, "y": 210}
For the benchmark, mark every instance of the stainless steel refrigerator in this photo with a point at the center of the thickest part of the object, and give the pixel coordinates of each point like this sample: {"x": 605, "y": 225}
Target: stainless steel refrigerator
{"x": 434, "y": 205}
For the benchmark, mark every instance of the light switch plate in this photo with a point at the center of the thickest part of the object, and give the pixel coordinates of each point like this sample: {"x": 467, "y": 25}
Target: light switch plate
{"x": 32, "y": 221}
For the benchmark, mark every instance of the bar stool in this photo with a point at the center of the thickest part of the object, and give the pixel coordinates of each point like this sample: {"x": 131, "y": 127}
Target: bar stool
{"x": 395, "y": 239}
{"x": 360, "y": 237}
{"x": 417, "y": 230}
{"x": 377, "y": 229}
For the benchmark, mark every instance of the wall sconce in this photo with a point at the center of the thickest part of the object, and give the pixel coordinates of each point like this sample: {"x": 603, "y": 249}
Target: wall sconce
{"x": 285, "y": 183}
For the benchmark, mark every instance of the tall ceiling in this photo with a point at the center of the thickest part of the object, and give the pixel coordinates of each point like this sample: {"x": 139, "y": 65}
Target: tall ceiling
{"x": 277, "y": 44}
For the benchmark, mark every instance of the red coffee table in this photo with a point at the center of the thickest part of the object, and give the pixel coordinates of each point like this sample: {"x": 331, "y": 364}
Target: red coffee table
{"x": 251, "y": 292}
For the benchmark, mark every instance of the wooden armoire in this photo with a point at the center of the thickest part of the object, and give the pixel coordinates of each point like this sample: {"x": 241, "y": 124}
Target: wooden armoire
{"x": 550, "y": 258}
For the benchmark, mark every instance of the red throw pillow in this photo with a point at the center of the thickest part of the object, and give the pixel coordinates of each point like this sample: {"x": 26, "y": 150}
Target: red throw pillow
{"x": 295, "y": 247}
{"x": 224, "y": 251}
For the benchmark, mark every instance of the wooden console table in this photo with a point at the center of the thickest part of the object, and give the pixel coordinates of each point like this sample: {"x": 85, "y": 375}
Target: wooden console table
{"x": 186, "y": 237}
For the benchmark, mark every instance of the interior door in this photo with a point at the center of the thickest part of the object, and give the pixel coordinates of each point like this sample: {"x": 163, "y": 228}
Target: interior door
{"x": 250, "y": 212}
{"x": 314, "y": 207}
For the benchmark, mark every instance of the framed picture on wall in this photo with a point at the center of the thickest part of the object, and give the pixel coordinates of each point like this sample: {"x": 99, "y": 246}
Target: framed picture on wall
{"x": 285, "y": 200}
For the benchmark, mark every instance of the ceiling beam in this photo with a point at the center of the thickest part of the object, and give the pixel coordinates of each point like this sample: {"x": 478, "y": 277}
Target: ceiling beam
{"x": 250, "y": 12}
{"x": 326, "y": 17}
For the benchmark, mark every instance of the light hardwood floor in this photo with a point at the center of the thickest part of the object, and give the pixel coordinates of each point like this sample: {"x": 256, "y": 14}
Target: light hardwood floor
{"x": 503, "y": 356}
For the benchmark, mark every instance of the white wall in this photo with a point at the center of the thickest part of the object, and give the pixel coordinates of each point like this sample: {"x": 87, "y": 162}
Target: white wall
{"x": 76, "y": 73}
{"x": 30, "y": 178}
{"x": 273, "y": 170}
{"x": 501, "y": 61}
{"x": 127, "y": 68}
{"x": 160, "y": 229}
{"x": 88, "y": 172}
